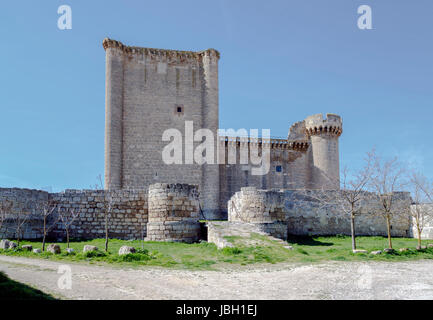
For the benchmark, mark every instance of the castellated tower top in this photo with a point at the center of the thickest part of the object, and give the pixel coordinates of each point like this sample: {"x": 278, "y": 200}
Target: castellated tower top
{"x": 170, "y": 55}
{"x": 316, "y": 125}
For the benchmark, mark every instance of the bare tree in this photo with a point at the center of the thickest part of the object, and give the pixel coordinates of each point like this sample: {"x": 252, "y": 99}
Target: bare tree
{"x": 421, "y": 193}
{"x": 5, "y": 209}
{"x": 47, "y": 209}
{"x": 20, "y": 218}
{"x": 67, "y": 217}
{"x": 386, "y": 180}
{"x": 353, "y": 196}
{"x": 349, "y": 200}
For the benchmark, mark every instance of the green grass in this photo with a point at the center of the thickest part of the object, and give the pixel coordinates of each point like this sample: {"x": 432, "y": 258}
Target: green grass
{"x": 256, "y": 250}
{"x": 12, "y": 290}
{"x": 339, "y": 248}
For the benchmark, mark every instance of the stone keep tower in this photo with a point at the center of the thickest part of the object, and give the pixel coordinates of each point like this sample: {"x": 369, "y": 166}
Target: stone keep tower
{"x": 323, "y": 154}
{"x": 147, "y": 92}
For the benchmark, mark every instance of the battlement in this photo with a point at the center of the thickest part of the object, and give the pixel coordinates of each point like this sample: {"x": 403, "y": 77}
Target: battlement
{"x": 316, "y": 125}
{"x": 297, "y": 131}
{"x": 156, "y": 54}
{"x": 272, "y": 143}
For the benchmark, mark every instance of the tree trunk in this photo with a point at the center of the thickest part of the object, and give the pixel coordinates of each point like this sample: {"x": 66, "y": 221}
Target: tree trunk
{"x": 67, "y": 237}
{"x": 43, "y": 242}
{"x": 352, "y": 229}
{"x": 45, "y": 234}
{"x": 388, "y": 227}
{"x": 419, "y": 235}
{"x": 106, "y": 233}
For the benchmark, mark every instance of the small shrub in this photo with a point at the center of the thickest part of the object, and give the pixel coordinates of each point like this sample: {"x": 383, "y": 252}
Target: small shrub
{"x": 231, "y": 250}
{"x": 302, "y": 251}
{"x": 130, "y": 257}
{"x": 94, "y": 254}
{"x": 142, "y": 251}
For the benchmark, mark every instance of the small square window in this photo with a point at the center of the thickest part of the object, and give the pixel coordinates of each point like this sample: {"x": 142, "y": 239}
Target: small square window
{"x": 178, "y": 109}
{"x": 278, "y": 168}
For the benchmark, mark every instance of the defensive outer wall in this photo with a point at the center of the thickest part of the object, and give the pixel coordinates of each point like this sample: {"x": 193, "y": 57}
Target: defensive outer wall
{"x": 284, "y": 212}
{"x": 171, "y": 212}
{"x": 162, "y": 212}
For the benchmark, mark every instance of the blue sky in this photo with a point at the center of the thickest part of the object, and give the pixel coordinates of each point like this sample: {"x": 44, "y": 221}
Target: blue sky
{"x": 280, "y": 62}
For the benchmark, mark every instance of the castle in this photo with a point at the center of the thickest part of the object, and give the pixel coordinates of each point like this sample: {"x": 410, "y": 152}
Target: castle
{"x": 149, "y": 91}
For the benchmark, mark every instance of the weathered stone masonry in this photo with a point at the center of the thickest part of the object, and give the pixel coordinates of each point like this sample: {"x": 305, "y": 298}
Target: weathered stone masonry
{"x": 151, "y": 90}
{"x": 173, "y": 213}
{"x": 165, "y": 212}
{"x": 284, "y": 212}
{"x": 127, "y": 220}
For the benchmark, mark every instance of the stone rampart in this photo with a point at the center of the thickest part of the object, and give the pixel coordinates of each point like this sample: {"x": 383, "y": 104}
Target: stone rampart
{"x": 27, "y": 203}
{"x": 284, "y": 212}
{"x": 127, "y": 217}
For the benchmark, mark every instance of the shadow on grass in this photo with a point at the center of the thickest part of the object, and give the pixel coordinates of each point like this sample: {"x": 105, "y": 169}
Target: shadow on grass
{"x": 13, "y": 290}
{"x": 307, "y": 240}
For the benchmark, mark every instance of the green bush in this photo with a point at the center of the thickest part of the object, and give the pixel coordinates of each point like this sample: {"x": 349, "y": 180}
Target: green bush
{"x": 302, "y": 251}
{"x": 130, "y": 257}
{"x": 94, "y": 254}
{"x": 142, "y": 251}
{"x": 231, "y": 250}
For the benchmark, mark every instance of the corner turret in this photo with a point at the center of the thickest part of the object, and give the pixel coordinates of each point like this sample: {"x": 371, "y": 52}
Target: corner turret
{"x": 323, "y": 154}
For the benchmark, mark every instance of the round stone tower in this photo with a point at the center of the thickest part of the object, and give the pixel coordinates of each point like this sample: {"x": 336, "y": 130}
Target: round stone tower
{"x": 173, "y": 213}
{"x": 323, "y": 154}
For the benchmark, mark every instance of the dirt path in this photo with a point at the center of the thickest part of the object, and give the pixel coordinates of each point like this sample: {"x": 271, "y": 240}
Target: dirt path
{"x": 339, "y": 280}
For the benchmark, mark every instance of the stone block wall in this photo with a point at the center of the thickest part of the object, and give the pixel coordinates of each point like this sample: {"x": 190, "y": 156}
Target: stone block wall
{"x": 277, "y": 210}
{"x": 165, "y": 212}
{"x": 25, "y": 202}
{"x": 127, "y": 220}
{"x": 173, "y": 213}
{"x": 308, "y": 217}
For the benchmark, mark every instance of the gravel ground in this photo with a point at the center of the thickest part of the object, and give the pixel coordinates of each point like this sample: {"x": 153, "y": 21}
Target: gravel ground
{"x": 334, "y": 280}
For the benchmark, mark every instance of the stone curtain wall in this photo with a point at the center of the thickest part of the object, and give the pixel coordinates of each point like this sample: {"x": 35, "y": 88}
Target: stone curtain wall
{"x": 173, "y": 213}
{"x": 127, "y": 220}
{"x": 275, "y": 210}
{"x": 28, "y": 202}
{"x": 167, "y": 212}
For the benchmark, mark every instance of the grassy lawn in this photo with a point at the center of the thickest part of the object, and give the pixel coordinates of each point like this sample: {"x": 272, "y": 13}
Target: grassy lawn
{"x": 205, "y": 256}
{"x": 12, "y": 290}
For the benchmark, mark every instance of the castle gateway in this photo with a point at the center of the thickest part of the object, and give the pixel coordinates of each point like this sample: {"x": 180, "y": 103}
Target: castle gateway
{"x": 149, "y": 91}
